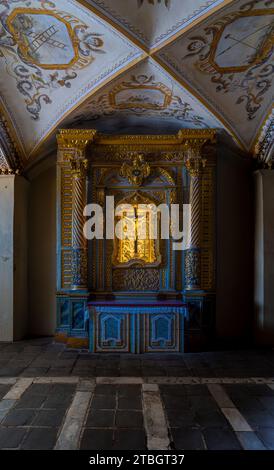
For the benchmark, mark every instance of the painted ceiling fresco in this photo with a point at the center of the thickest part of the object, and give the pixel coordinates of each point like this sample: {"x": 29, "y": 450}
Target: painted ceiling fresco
{"x": 51, "y": 56}
{"x": 147, "y": 99}
{"x": 140, "y": 66}
{"x": 153, "y": 21}
{"x": 228, "y": 60}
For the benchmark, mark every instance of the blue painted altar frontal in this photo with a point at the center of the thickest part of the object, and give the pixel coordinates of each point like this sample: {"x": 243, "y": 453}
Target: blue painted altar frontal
{"x": 136, "y": 328}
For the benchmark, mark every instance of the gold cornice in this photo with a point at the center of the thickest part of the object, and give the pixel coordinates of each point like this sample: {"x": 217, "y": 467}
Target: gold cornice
{"x": 178, "y": 139}
{"x": 200, "y": 136}
{"x": 75, "y": 138}
{"x": 80, "y": 138}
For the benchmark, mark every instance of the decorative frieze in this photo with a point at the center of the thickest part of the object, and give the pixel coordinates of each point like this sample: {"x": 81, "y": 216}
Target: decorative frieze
{"x": 9, "y": 159}
{"x": 264, "y": 149}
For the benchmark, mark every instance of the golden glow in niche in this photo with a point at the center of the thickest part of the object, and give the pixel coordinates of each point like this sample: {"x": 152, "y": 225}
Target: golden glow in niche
{"x": 129, "y": 247}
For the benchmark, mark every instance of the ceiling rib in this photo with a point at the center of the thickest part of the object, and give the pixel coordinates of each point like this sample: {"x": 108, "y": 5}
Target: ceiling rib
{"x": 145, "y": 53}
{"x": 35, "y": 151}
{"x": 114, "y": 25}
{"x": 198, "y": 97}
{"x": 189, "y": 26}
{"x": 151, "y": 53}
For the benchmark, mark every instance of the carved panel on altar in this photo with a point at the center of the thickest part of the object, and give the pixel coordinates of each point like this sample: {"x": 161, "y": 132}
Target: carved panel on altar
{"x": 157, "y": 296}
{"x": 136, "y": 328}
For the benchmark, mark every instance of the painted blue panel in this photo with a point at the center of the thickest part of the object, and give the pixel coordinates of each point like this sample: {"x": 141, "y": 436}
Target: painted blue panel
{"x": 111, "y": 328}
{"x": 78, "y": 315}
{"x": 110, "y": 331}
{"x": 162, "y": 331}
{"x": 64, "y": 312}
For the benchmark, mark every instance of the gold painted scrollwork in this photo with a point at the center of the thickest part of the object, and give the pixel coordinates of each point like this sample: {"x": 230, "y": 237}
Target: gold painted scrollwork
{"x": 136, "y": 171}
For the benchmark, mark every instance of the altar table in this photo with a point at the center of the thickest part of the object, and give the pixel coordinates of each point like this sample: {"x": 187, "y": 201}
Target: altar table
{"x": 137, "y": 327}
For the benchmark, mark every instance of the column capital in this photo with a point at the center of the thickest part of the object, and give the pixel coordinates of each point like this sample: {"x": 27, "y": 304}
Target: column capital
{"x": 76, "y": 139}
{"x": 78, "y": 167}
{"x": 193, "y": 158}
{"x": 72, "y": 143}
{"x": 195, "y": 166}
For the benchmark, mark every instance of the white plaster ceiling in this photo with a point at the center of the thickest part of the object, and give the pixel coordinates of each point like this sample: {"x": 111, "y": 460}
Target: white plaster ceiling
{"x": 228, "y": 61}
{"x": 153, "y": 21}
{"x": 140, "y": 66}
{"x": 145, "y": 98}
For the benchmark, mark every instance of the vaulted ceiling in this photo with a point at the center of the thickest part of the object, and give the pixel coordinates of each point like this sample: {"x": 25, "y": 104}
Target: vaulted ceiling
{"x": 140, "y": 66}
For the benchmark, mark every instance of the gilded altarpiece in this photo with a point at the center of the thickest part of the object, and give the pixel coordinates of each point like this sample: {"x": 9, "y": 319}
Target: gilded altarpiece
{"x": 172, "y": 169}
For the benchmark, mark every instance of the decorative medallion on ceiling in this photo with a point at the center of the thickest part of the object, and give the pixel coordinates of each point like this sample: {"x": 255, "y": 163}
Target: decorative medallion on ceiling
{"x": 142, "y": 92}
{"x": 52, "y": 55}
{"x": 146, "y": 99}
{"x": 135, "y": 66}
{"x": 229, "y": 60}
{"x": 250, "y": 34}
{"x": 47, "y": 40}
{"x": 50, "y": 41}
{"x": 241, "y": 44}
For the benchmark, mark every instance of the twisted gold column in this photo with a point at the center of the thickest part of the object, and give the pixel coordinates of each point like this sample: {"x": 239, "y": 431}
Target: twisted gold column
{"x": 195, "y": 166}
{"x": 79, "y": 242}
{"x": 195, "y": 201}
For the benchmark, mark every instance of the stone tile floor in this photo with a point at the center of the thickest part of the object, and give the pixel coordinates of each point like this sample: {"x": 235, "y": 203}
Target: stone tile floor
{"x": 41, "y": 357}
{"x": 213, "y": 400}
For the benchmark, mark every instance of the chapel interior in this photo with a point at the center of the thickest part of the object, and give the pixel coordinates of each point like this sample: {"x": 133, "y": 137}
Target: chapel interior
{"x": 156, "y": 102}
